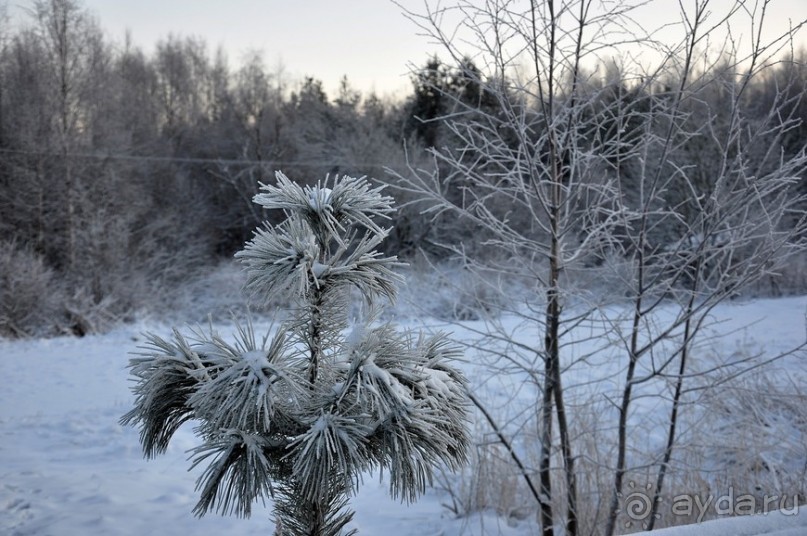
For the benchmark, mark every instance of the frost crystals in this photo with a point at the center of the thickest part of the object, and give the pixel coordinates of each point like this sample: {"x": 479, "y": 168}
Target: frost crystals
{"x": 302, "y": 415}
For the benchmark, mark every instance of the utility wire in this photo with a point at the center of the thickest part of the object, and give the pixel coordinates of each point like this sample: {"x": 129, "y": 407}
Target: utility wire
{"x": 187, "y": 160}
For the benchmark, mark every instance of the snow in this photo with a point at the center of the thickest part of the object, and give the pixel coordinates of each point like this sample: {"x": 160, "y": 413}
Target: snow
{"x": 438, "y": 382}
{"x": 319, "y": 198}
{"x": 776, "y": 523}
{"x": 67, "y": 467}
{"x": 318, "y": 269}
{"x": 257, "y": 361}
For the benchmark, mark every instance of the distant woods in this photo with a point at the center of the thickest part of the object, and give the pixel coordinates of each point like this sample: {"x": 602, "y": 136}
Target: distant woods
{"x": 121, "y": 173}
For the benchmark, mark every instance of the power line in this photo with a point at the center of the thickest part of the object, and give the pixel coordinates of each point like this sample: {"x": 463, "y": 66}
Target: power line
{"x": 180, "y": 159}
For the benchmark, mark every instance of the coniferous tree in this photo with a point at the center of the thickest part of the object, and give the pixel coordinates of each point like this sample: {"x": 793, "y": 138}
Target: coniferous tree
{"x": 303, "y": 414}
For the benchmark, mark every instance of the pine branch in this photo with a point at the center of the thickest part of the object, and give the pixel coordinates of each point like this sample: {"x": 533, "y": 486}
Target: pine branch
{"x": 329, "y": 211}
{"x": 239, "y": 474}
{"x": 167, "y": 375}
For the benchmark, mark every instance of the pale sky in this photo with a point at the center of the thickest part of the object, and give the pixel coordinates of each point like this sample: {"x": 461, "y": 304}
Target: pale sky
{"x": 370, "y": 41}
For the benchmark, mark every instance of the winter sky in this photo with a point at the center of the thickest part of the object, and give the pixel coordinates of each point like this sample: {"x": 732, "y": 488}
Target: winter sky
{"x": 370, "y": 41}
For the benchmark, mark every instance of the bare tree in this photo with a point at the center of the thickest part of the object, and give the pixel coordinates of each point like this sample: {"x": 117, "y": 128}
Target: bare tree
{"x": 568, "y": 172}
{"x": 522, "y": 175}
{"x": 67, "y": 35}
{"x": 707, "y": 227}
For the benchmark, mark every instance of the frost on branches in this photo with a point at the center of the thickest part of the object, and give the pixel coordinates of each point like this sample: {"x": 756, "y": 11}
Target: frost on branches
{"x": 302, "y": 413}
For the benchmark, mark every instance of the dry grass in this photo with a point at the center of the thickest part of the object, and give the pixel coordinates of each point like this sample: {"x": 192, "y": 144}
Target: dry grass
{"x": 744, "y": 444}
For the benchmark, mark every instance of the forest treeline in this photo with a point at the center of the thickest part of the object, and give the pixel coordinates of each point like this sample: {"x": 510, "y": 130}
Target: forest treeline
{"x": 122, "y": 172}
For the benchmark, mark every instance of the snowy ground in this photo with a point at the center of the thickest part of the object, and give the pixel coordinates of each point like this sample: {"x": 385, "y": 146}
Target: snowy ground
{"x": 68, "y": 468}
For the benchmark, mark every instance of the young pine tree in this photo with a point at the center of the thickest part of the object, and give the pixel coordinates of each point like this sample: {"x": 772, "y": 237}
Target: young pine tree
{"x": 302, "y": 415}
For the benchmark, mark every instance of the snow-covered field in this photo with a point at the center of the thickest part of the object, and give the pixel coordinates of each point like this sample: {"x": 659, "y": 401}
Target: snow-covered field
{"x": 68, "y": 468}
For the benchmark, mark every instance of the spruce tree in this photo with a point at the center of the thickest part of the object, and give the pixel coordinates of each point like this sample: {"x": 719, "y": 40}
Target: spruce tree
{"x": 322, "y": 399}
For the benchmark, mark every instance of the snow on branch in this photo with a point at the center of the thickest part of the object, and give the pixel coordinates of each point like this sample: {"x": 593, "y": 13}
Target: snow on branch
{"x": 302, "y": 414}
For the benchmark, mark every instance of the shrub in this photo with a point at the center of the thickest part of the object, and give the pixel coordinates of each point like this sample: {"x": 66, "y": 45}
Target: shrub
{"x": 302, "y": 414}
{"x": 31, "y": 298}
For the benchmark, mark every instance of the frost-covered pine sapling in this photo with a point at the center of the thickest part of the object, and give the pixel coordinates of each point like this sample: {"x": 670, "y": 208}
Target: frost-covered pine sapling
{"x": 302, "y": 415}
